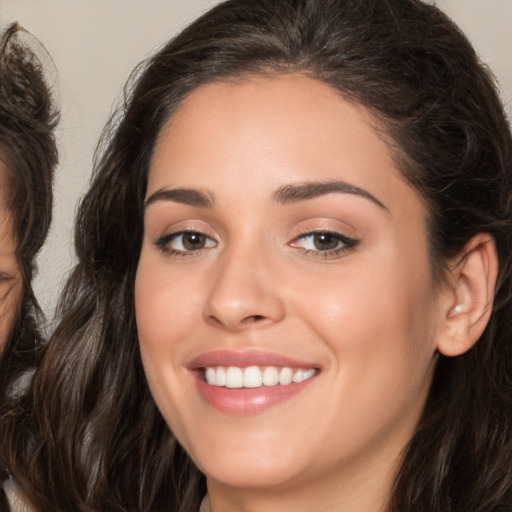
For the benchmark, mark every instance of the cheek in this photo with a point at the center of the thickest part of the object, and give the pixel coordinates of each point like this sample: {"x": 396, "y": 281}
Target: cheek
{"x": 377, "y": 309}
{"x": 166, "y": 305}
{"x": 165, "y": 302}
{"x": 379, "y": 331}
{"x": 378, "y": 321}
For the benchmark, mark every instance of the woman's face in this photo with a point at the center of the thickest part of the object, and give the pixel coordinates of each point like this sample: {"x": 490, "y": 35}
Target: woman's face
{"x": 282, "y": 243}
{"x": 10, "y": 279}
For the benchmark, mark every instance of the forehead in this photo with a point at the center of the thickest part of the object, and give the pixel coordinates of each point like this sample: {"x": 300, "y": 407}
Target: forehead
{"x": 271, "y": 132}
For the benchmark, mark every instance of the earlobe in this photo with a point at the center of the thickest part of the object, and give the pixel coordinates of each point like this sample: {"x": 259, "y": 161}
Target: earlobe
{"x": 470, "y": 296}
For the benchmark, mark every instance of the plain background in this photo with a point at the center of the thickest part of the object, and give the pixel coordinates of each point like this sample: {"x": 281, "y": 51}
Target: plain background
{"x": 96, "y": 43}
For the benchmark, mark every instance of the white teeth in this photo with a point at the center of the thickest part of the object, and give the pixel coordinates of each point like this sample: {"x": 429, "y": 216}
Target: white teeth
{"x": 270, "y": 376}
{"x": 285, "y": 376}
{"x": 298, "y": 376}
{"x": 234, "y": 377}
{"x": 220, "y": 376}
{"x": 254, "y": 376}
{"x": 209, "y": 375}
{"x": 309, "y": 373}
{"x": 301, "y": 375}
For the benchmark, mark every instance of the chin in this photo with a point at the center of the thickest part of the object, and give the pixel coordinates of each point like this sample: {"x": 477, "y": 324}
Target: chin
{"x": 258, "y": 464}
{"x": 248, "y": 472}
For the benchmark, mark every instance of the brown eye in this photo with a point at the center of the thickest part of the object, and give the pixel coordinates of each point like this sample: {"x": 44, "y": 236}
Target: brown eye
{"x": 193, "y": 241}
{"x": 184, "y": 242}
{"x": 326, "y": 241}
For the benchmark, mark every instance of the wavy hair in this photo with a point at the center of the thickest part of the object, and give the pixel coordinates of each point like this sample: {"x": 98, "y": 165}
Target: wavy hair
{"x": 28, "y": 116}
{"x": 99, "y": 442}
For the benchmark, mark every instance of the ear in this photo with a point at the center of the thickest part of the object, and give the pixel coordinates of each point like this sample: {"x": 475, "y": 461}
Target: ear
{"x": 470, "y": 295}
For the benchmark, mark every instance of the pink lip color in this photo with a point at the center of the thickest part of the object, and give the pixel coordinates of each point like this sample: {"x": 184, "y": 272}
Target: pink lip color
{"x": 244, "y": 401}
{"x": 244, "y": 359}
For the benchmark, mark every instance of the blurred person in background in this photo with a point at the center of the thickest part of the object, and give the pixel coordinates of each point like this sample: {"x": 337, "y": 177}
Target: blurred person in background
{"x": 28, "y": 157}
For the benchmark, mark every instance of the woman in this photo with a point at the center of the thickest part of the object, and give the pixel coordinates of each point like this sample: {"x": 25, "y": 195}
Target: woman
{"x": 28, "y": 156}
{"x": 288, "y": 294}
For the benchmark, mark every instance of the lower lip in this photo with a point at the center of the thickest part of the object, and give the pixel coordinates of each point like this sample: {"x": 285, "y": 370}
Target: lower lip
{"x": 245, "y": 401}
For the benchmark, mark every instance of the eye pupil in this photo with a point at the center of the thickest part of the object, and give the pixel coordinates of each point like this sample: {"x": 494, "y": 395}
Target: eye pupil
{"x": 193, "y": 241}
{"x": 325, "y": 241}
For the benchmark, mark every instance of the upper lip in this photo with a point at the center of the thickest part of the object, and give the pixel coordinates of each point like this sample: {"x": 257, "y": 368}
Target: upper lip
{"x": 245, "y": 359}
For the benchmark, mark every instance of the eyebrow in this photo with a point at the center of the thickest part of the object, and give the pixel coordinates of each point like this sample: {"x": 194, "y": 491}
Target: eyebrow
{"x": 286, "y": 194}
{"x": 309, "y": 190}
{"x": 189, "y": 196}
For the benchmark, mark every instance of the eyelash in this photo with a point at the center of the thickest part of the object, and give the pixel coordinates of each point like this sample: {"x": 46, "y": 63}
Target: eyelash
{"x": 5, "y": 277}
{"x": 163, "y": 243}
{"x": 347, "y": 243}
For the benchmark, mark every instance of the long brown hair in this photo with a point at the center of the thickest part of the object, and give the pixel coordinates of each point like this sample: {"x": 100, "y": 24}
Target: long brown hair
{"x": 28, "y": 116}
{"x": 99, "y": 443}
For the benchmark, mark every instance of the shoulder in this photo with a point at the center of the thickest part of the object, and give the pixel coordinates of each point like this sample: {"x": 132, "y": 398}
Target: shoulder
{"x": 17, "y": 501}
{"x": 205, "y": 505}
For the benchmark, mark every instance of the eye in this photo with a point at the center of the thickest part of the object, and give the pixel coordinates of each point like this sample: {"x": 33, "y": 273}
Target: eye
{"x": 325, "y": 242}
{"x": 5, "y": 277}
{"x": 184, "y": 242}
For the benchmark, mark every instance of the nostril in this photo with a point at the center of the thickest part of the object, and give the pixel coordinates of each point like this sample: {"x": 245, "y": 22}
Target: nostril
{"x": 248, "y": 320}
{"x": 253, "y": 319}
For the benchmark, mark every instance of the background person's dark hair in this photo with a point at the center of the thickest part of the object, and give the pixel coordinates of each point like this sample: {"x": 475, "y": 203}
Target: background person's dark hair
{"x": 102, "y": 444}
{"x": 29, "y": 154}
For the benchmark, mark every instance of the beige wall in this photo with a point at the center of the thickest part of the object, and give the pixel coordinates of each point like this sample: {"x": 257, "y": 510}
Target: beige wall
{"x": 96, "y": 43}
{"x": 488, "y": 23}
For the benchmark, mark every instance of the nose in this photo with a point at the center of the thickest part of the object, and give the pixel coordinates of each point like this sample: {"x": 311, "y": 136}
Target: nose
{"x": 244, "y": 293}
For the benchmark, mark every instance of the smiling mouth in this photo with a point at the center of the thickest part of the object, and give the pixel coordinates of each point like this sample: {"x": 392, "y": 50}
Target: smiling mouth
{"x": 234, "y": 377}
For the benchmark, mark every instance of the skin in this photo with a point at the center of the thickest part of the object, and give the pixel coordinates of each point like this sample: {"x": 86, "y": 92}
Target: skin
{"x": 10, "y": 279}
{"x": 370, "y": 317}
